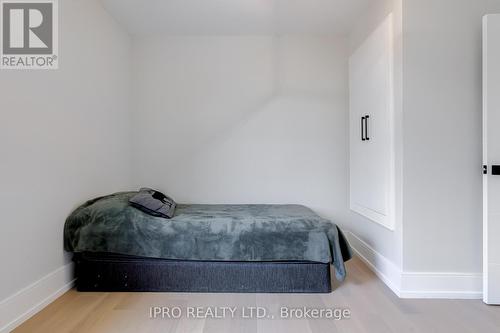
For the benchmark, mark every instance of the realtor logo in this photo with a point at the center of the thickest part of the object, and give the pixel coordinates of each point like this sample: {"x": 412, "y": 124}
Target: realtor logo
{"x": 29, "y": 34}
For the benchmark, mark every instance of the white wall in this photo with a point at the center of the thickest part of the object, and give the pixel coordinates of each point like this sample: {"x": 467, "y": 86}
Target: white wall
{"x": 63, "y": 139}
{"x": 244, "y": 119}
{"x": 442, "y": 138}
{"x": 384, "y": 242}
{"x": 436, "y": 247}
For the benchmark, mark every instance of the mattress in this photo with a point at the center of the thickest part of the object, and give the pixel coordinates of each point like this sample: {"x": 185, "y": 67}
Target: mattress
{"x": 222, "y": 233}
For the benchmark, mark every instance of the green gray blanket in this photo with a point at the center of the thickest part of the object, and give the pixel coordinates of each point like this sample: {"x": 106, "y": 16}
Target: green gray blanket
{"x": 207, "y": 232}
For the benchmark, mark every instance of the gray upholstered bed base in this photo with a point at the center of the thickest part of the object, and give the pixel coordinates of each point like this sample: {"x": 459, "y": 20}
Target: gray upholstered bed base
{"x": 107, "y": 272}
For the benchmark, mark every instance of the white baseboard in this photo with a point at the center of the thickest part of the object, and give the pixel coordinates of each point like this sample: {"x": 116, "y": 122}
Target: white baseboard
{"x": 447, "y": 285}
{"x": 442, "y": 285}
{"x": 19, "y": 307}
{"x": 385, "y": 269}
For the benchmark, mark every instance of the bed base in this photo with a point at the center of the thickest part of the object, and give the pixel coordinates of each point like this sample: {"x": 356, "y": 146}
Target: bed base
{"x": 108, "y": 273}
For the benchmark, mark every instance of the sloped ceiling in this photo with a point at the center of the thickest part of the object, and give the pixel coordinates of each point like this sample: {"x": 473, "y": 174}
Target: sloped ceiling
{"x": 236, "y": 17}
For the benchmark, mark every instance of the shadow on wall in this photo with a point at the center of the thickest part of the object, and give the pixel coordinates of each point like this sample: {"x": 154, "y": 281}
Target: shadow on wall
{"x": 244, "y": 120}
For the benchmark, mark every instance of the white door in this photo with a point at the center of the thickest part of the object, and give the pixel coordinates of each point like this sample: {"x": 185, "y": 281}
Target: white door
{"x": 491, "y": 159}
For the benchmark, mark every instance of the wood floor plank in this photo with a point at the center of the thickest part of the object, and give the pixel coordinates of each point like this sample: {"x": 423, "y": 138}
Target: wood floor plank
{"x": 373, "y": 306}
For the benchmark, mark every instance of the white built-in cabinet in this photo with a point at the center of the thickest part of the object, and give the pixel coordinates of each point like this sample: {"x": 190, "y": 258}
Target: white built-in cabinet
{"x": 372, "y": 160}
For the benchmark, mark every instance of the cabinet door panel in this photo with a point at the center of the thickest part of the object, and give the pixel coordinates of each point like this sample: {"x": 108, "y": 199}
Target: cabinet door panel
{"x": 371, "y": 94}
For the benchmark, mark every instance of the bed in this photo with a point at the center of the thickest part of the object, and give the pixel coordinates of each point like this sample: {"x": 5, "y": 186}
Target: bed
{"x": 204, "y": 248}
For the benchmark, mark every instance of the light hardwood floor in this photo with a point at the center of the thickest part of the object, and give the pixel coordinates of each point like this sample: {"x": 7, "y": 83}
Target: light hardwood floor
{"x": 374, "y": 308}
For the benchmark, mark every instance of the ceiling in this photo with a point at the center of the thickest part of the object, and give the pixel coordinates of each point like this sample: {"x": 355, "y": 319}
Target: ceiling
{"x": 236, "y": 17}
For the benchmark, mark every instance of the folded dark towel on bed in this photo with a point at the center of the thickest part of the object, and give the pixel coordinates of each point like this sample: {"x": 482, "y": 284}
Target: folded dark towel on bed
{"x": 154, "y": 203}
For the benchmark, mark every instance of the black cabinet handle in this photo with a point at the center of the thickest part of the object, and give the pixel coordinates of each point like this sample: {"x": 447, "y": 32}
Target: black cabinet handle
{"x": 366, "y": 128}
{"x": 362, "y": 128}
